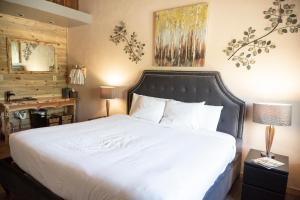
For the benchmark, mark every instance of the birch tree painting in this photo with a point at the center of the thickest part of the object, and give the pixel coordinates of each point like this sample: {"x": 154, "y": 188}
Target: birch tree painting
{"x": 180, "y": 36}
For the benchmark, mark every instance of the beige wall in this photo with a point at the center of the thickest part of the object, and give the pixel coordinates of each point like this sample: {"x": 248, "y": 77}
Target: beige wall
{"x": 274, "y": 78}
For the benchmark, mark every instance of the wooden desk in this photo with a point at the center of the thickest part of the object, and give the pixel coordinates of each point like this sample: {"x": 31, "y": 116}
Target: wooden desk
{"x": 7, "y": 108}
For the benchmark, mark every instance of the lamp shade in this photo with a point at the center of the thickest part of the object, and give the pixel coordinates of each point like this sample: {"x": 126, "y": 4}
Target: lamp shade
{"x": 272, "y": 114}
{"x": 108, "y": 92}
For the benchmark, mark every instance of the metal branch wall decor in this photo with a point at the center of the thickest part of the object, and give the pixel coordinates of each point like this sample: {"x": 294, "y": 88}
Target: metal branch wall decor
{"x": 282, "y": 20}
{"x": 133, "y": 47}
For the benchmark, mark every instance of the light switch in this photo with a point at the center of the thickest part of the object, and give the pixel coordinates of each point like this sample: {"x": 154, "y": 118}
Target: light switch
{"x": 54, "y": 78}
{"x": 1, "y": 77}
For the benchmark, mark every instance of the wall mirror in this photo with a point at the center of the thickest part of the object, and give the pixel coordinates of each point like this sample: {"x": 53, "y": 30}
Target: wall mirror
{"x": 31, "y": 56}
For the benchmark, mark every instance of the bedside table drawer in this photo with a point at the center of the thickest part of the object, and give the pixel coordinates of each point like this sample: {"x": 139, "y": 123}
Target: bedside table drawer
{"x": 264, "y": 178}
{"x": 253, "y": 193}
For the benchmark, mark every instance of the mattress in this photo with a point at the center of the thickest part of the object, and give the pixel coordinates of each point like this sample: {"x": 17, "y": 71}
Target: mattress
{"x": 122, "y": 158}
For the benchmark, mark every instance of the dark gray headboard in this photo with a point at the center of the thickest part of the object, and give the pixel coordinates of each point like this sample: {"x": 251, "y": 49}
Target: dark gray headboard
{"x": 194, "y": 86}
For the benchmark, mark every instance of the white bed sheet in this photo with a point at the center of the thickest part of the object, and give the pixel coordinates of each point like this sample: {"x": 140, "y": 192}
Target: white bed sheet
{"x": 121, "y": 158}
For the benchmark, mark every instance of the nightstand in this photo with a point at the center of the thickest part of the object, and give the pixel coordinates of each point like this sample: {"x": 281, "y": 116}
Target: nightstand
{"x": 260, "y": 183}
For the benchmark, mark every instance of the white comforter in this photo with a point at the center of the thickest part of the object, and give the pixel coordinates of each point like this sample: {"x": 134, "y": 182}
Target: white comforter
{"x": 121, "y": 158}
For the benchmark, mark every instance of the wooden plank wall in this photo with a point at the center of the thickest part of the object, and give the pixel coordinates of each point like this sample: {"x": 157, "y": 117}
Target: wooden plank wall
{"x": 38, "y": 84}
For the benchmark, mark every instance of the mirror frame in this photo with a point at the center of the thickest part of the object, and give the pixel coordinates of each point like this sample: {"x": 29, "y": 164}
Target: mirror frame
{"x": 9, "y": 56}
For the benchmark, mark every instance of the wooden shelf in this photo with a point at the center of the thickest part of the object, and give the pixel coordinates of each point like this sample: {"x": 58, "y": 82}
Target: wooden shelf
{"x": 45, "y": 11}
{"x": 68, "y": 3}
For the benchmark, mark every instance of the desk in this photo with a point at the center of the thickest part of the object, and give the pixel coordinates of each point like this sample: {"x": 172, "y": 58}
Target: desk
{"x": 7, "y": 107}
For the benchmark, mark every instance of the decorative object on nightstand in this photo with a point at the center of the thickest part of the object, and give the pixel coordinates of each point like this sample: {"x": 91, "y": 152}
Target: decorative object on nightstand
{"x": 108, "y": 93}
{"x": 272, "y": 115}
{"x": 268, "y": 162}
{"x": 260, "y": 183}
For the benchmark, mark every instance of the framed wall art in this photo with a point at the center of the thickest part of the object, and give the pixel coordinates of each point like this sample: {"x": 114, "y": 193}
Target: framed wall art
{"x": 179, "y": 36}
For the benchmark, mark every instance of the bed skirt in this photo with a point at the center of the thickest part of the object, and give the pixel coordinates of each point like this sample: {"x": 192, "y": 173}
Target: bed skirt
{"x": 22, "y": 186}
{"x": 224, "y": 182}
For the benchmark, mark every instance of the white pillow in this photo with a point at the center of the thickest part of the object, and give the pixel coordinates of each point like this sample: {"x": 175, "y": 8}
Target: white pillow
{"x": 210, "y": 116}
{"x": 181, "y": 114}
{"x": 136, "y": 96}
{"x": 148, "y": 108}
{"x": 207, "y": 117}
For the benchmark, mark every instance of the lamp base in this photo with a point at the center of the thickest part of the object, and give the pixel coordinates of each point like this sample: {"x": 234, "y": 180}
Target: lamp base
{"x": 264, "y": 154}
{"x": 270, "y": 132}
{"x": 107, "y": 107}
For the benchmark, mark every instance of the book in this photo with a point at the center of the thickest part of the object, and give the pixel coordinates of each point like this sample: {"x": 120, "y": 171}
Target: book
{"x": 268, "y": 163}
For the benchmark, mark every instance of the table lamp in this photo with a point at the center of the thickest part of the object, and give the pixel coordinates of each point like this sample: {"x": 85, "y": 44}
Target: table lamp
{"x": 108, "y": 93}
{"x": 272, "y": 115}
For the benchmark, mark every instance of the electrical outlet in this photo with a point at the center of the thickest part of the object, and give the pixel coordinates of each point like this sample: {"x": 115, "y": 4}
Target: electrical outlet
{"x": 1, "y": 77}
{"x": 54, "y": 78}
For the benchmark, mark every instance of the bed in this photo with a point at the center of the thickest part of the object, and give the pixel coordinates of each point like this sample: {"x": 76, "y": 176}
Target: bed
{"x": 121, "y": 162}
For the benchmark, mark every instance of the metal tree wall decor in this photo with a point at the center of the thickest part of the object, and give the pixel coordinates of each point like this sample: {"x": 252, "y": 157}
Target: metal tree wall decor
{"x": 282, "y": 20}
{"x": 134, "y": 48}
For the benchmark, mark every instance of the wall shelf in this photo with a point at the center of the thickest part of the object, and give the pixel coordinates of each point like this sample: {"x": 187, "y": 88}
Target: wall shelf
{"x": 45, "y": 11}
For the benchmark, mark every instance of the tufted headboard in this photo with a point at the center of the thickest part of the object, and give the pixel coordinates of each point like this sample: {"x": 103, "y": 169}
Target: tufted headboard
{"x": 194, "y": 86}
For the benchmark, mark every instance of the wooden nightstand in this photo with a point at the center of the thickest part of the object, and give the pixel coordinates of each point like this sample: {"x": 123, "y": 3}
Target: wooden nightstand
{"x": 260, "y": 183}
